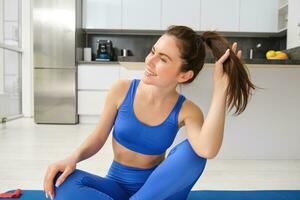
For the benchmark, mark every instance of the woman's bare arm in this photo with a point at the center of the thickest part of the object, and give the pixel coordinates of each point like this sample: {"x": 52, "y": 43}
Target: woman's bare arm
{"x": 95, "y": 141}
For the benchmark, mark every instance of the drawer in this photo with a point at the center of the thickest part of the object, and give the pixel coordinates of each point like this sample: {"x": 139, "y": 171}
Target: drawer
{"x": 101, "y": 77}
{"x": 91, "y": 102}
{"x": 131, "y": 73}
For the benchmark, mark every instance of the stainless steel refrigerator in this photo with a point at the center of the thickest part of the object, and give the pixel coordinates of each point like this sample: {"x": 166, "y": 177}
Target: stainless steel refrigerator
{"x": 57, "y": 37}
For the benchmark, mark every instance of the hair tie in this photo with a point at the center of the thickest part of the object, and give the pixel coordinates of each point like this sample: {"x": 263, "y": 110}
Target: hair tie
{"x": 202, "y": 38}
{"x": 200, "y": 41}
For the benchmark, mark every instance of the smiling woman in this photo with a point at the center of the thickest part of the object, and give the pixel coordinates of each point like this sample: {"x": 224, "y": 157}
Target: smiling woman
{"x": 146, "y": 115}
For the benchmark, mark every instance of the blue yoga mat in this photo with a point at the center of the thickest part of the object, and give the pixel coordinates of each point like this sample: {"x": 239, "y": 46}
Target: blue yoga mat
{"x": 205, "y": 195}
{"x": 245, "y": 195}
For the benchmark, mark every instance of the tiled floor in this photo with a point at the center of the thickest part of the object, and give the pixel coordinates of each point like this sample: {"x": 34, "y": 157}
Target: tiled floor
{"x": 27, "y": 148}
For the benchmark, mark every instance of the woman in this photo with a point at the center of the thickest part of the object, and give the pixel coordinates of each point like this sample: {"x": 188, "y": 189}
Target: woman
{"x": 146, "y": 115}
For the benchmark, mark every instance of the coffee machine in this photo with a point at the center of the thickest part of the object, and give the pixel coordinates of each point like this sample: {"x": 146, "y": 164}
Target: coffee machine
{"x": 105, "y": 50}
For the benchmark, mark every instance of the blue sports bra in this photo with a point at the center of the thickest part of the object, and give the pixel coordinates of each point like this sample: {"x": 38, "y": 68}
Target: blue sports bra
{"x": 142, "y": 138}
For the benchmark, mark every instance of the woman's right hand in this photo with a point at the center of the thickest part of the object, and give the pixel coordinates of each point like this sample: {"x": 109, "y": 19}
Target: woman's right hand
{"x": 66, "y": 166}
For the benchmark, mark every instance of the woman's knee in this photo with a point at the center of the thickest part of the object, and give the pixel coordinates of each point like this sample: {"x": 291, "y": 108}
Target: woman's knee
{"x": 73, "y": 181}
{"x": 74, "y": 177}
{"x": 185, "y": 149}
{"x": 186, "y": 157}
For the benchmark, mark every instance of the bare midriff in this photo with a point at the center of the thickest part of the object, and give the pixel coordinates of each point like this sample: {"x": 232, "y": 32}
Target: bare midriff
{"x": 131, "y": 158}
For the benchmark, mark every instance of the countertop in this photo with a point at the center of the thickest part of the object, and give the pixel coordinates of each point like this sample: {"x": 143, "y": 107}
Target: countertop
{"x": 273, "y": 62}
{"x": 250, "y": 63}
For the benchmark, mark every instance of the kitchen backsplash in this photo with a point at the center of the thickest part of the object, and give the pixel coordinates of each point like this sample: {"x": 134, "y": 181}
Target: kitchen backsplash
{"x": 294, "y": 53}
{"x": 140, "y": 45}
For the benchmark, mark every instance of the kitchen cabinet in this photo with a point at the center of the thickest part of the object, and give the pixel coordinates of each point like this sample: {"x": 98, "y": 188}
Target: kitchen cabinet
{"x": 282, "y": 15}
{"x": 91, "y": 102}
{"x": 97, "y": 77}
{"x": 94, "y": 81}
{"x": 258, "y": 16}
{"x": 293, "y": 24}
{"x": 178, "y": 12}
{"x": 231, "y": 15}
{"x": 141, "y": 14}
{"x": 220, "y": 15}
{"x": 126, "y": 73}
{"x": 102, "y": 14}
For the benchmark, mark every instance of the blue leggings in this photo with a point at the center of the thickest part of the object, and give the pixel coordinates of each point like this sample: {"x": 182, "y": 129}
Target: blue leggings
{"x": 172, "y": 179}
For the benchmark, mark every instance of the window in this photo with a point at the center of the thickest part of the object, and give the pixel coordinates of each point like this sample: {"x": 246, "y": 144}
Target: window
{"x": 10, "y": 59}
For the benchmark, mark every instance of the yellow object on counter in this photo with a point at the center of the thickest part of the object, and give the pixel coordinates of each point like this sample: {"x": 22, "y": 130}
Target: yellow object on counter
{"x": 272, "y": 54}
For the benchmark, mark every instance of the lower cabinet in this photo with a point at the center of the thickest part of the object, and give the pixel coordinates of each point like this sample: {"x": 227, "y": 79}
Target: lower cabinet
{"x": 97, "y": 76}
{"x": 94, "y": 81}
{"x": 131, "y": 73}
{"x": 91, "y": 102}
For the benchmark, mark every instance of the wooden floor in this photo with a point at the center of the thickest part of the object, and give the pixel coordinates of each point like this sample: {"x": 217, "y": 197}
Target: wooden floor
{"x": 26, "y": 149}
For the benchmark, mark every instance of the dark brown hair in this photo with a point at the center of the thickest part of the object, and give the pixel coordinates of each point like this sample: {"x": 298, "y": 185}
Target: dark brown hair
{"x": 192, "y": 49}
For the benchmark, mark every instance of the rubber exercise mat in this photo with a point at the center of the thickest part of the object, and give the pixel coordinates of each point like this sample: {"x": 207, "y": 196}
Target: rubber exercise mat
{"x": 245, "y": 195}
{"x": 204, "y": 195}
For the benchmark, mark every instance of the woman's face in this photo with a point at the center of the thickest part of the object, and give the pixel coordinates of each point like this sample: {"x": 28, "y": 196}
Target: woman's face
{"x": 163, "y": 62}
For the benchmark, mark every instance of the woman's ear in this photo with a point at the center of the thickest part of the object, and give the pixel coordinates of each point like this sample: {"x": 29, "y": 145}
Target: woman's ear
{"x": 185, "y": 76}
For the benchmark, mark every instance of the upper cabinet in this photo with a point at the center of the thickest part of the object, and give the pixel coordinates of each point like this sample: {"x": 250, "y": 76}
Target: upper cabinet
{"x": 220, "y": 15}
{"x": 101, "y": 14}
{"x": 178, "y": 12}
{"x": 282, "y": 15}
{"x": 229, "y": 15}
{"x": 293, "y": 24}
{"x": 141, "y": 14}
{"x": 258, "y": 15}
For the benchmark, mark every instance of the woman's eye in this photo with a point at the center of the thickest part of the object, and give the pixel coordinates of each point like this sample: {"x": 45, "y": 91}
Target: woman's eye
{"x": 163, "y": 60}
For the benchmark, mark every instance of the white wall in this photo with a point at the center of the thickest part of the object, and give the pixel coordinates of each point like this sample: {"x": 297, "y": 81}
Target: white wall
{"x": 1, "y": 51}
{"x": 27, "y": 60}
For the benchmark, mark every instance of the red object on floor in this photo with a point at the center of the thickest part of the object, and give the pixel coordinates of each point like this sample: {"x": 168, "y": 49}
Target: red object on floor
{"x": 15, "y": 194}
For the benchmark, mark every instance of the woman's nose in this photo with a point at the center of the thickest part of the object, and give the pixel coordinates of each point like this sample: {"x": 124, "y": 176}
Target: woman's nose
{"x": 151, "y": 59}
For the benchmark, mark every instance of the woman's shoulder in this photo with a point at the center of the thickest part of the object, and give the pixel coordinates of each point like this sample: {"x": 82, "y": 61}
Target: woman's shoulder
{"x": 121, "y": 84}
{"x": 190, "y": 106}
{"x": 120, "y": 88}
{"x": 190, "y": 110}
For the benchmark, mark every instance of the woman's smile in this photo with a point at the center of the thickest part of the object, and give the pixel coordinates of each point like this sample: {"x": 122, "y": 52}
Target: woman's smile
{"x": 149, "y": 73}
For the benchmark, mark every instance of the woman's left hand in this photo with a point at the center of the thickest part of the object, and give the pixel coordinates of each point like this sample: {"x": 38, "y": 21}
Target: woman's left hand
{"x": 221, "y": 79}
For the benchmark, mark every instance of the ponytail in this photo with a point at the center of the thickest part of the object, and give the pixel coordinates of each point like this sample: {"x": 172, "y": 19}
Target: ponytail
{"x": 240, "y": 87}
